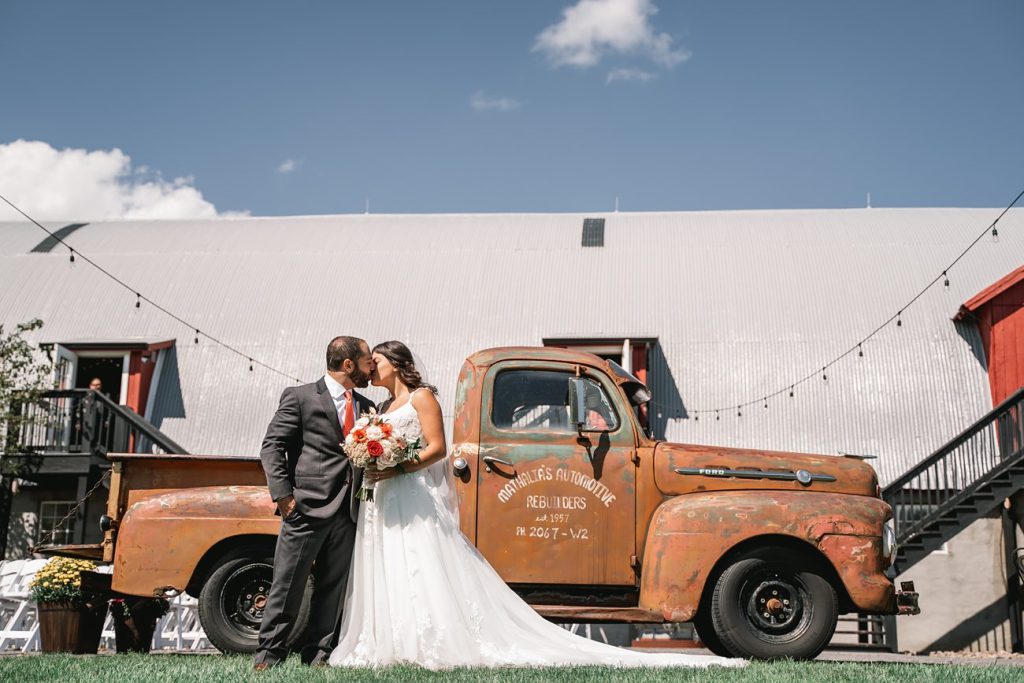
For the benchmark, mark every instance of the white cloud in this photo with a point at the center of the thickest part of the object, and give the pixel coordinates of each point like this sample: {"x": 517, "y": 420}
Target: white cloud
{"x": 629, "y": 75}
{"x": 287, "y": 166}
{"x": 78, "y": 184}
{"x": 481, "y": 101}
{"x": 591, "y": 28}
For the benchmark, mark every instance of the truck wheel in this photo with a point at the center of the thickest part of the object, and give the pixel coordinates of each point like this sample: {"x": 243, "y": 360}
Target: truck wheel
{"x": 232, "y": 600}
{"x": 707, "y": 635}
{"x": 769, "y": 606}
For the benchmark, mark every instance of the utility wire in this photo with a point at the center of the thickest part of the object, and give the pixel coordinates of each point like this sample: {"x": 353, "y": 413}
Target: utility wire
{"x": 857, "y": 347}
{"x": 140, "y": 297}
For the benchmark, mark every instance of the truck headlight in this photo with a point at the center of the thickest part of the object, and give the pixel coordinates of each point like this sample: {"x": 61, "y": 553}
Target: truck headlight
{"x": 888, "y": 543}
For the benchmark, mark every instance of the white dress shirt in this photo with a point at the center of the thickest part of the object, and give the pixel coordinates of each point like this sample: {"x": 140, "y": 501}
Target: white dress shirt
{"x": 337, "y": 392}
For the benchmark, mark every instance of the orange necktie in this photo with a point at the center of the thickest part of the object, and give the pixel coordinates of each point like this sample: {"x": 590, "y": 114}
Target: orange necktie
{"x": 350, "y": 414}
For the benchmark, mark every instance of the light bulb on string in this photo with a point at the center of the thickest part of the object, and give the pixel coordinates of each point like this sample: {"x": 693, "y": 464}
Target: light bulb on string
{"x": 765, "y": 403}
{"x": 138, "y": 300}
{"x": 739, "y": 413}
{"x": 717, "y": 416}
{"x": 824, "y": 377}
{"x": 945, "y": 282}
{"x": 250, "y": 365}
{"x": 696, "y": 417}
{"x": 860, "y": 351}
{"x": 196, "y": 340}
{"x": 995, "y": 234}
{"x": 71, "y": 257}
{"x": 791, "y": 392}
{"x": 899, "y": 319}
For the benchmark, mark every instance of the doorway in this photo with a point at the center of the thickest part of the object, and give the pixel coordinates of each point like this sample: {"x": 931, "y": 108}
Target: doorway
{"x": 108, "y": 369}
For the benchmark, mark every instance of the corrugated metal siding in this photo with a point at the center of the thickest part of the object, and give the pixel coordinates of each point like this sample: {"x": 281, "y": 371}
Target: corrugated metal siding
{"x": 742, "y": 303}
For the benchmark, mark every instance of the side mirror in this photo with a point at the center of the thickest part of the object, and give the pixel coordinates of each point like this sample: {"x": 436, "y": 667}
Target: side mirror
{"x": 577, "y": 403}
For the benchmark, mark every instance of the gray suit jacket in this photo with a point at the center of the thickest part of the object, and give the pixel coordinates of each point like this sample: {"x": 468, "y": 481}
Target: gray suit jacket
{"x": 302, "y": 453}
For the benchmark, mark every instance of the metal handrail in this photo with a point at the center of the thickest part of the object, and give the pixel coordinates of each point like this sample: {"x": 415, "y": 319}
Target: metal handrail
{"x": 76, "y": 420}
{"x": 956, "y": 472}
{"x": 983, "y": 422}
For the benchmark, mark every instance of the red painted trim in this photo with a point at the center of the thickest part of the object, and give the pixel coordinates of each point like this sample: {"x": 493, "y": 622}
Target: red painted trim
{"x": 992, "y": 291}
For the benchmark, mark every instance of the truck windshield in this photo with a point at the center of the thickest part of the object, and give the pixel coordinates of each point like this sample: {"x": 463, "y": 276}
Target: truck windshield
{"x": 636, "y": 391}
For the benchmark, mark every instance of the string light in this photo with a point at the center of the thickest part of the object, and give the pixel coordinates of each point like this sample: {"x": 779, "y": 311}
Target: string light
{"x": 766, "y": 404}
{"x": 824, "y": 377}
{"x": 995, "y": 233}
{"x": 860, "y": 351}
{"x": 138, "y": 295}
{"x": 250, "y": 365}
{"x": 899, "y": 320}
{"x": 696, "y": 417}
{"x": 791, "y": 392}
{"x": 945, "y": 283}
{"x": 196, "y": 340}
{"x": 717, "y": 416}
{"x": 739, "y": 413}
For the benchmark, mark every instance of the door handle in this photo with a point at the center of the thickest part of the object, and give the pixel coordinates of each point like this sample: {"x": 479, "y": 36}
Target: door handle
{"x": 490, "y": 462}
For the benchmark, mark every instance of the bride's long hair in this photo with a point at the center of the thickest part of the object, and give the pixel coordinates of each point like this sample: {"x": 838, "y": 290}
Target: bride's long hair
{"x": 401, "y": 357}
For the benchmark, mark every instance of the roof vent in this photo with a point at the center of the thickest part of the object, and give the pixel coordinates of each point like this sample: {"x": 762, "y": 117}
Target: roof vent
{"x": 593, "y": 232}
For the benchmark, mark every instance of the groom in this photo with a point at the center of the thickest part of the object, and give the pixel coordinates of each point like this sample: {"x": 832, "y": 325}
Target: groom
{"x": 314, "y": 487}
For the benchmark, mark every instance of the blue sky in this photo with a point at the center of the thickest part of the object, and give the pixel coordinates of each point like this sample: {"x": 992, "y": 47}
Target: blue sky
{"x": 314, "y": 107}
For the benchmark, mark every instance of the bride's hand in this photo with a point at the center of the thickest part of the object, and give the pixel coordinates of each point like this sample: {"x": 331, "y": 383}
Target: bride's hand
{"x": 375, "y": 475}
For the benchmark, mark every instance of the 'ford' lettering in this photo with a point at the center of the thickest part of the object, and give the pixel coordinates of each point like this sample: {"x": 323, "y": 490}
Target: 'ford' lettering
{"x": 713, "y": 473}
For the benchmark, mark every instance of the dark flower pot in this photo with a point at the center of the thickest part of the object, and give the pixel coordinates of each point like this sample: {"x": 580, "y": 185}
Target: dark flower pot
{"x": 70, "y": 627}
{"x": 134, "y": 626}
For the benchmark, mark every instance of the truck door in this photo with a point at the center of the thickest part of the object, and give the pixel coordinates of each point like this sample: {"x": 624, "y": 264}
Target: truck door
{"x": 554, "y": 507}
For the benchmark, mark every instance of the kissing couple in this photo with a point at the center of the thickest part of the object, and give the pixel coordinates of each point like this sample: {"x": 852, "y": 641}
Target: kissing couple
{"x": 394, "y": 581}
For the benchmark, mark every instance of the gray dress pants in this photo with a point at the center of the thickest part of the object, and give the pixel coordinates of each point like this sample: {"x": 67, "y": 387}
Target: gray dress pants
{"x": 305, "y": 545}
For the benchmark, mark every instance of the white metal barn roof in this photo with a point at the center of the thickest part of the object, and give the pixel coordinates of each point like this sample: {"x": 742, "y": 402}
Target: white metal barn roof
{"x": 742, "y": 303}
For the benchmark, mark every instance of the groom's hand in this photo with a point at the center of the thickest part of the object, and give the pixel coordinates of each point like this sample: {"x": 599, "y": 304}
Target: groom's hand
{"x": 286, "y": 505}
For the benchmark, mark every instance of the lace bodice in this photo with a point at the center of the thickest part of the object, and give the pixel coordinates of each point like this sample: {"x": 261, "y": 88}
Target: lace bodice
{"x": 405, "y": 420}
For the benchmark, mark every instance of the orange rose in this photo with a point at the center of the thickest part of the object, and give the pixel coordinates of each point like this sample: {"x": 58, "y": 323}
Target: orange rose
{"x": 386, "y": 428}
{"x": 359, "y": 435}
{"x": 375, "y": 449}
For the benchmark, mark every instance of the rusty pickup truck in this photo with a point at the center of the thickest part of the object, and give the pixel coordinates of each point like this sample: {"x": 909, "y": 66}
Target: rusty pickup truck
{"x": 580, "y": 511}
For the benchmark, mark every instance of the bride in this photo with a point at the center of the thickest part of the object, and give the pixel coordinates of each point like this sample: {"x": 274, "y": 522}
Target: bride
{"x": 419, "y": 591}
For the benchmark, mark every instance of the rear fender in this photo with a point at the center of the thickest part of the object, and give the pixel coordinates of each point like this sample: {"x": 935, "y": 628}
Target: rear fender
{"x": 162, "y": 539}
{"x": 690, "y": 535}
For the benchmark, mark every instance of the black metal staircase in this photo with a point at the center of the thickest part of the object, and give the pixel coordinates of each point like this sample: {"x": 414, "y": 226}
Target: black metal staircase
{"x": 63, "y": 437}
{"x": 965, "y": 480}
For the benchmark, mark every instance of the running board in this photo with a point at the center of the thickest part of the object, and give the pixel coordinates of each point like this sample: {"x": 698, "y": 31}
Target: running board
{"x": 579, "y": 615}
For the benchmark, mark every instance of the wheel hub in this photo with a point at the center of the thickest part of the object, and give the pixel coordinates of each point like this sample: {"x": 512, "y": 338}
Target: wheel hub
{"x": 245, "y": 597}
{"x": 775, "y": 605}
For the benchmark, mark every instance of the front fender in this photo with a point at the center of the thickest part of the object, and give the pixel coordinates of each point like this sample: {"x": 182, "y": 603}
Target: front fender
{"x": 690, "y": 534}
{"x": 161, "y": 539}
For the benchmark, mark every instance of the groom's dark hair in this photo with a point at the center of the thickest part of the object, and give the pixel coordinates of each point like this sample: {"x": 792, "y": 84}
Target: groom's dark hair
{"x": 341, "y": 348}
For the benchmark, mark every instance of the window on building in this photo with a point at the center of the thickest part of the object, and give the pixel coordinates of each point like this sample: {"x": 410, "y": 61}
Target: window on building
{"x": 50, "y": 513}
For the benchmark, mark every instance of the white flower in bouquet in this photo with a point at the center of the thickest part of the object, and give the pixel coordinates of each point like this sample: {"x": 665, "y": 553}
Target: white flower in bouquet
{"x": 374, "y": 433}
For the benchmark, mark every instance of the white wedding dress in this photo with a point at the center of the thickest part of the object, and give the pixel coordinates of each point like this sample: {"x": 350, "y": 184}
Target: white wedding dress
{"x": 420, "y": 592}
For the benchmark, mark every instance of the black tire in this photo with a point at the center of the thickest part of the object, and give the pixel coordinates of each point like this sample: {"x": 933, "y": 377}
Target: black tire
{"x": 230, "y": 603}
{"x": 800, "y": 604}
{"x": 707, "y": 635}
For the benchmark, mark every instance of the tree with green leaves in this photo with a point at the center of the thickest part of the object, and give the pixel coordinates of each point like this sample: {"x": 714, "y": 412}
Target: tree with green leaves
{"x": 23, "y": 379}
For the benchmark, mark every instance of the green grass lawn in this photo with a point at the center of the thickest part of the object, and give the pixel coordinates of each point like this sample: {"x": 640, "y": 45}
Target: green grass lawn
{"x": 148, "y": 668}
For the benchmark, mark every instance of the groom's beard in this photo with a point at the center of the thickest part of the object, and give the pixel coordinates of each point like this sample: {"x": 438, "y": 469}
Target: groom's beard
{"x": 359, "y": 378}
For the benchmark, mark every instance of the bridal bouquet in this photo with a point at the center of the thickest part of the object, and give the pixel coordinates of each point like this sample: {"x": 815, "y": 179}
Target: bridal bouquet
{"x": 372, "y": 444}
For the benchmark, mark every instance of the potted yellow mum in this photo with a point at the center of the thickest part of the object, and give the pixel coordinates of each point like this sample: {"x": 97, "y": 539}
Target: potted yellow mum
{"x": 69, "y": 621}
